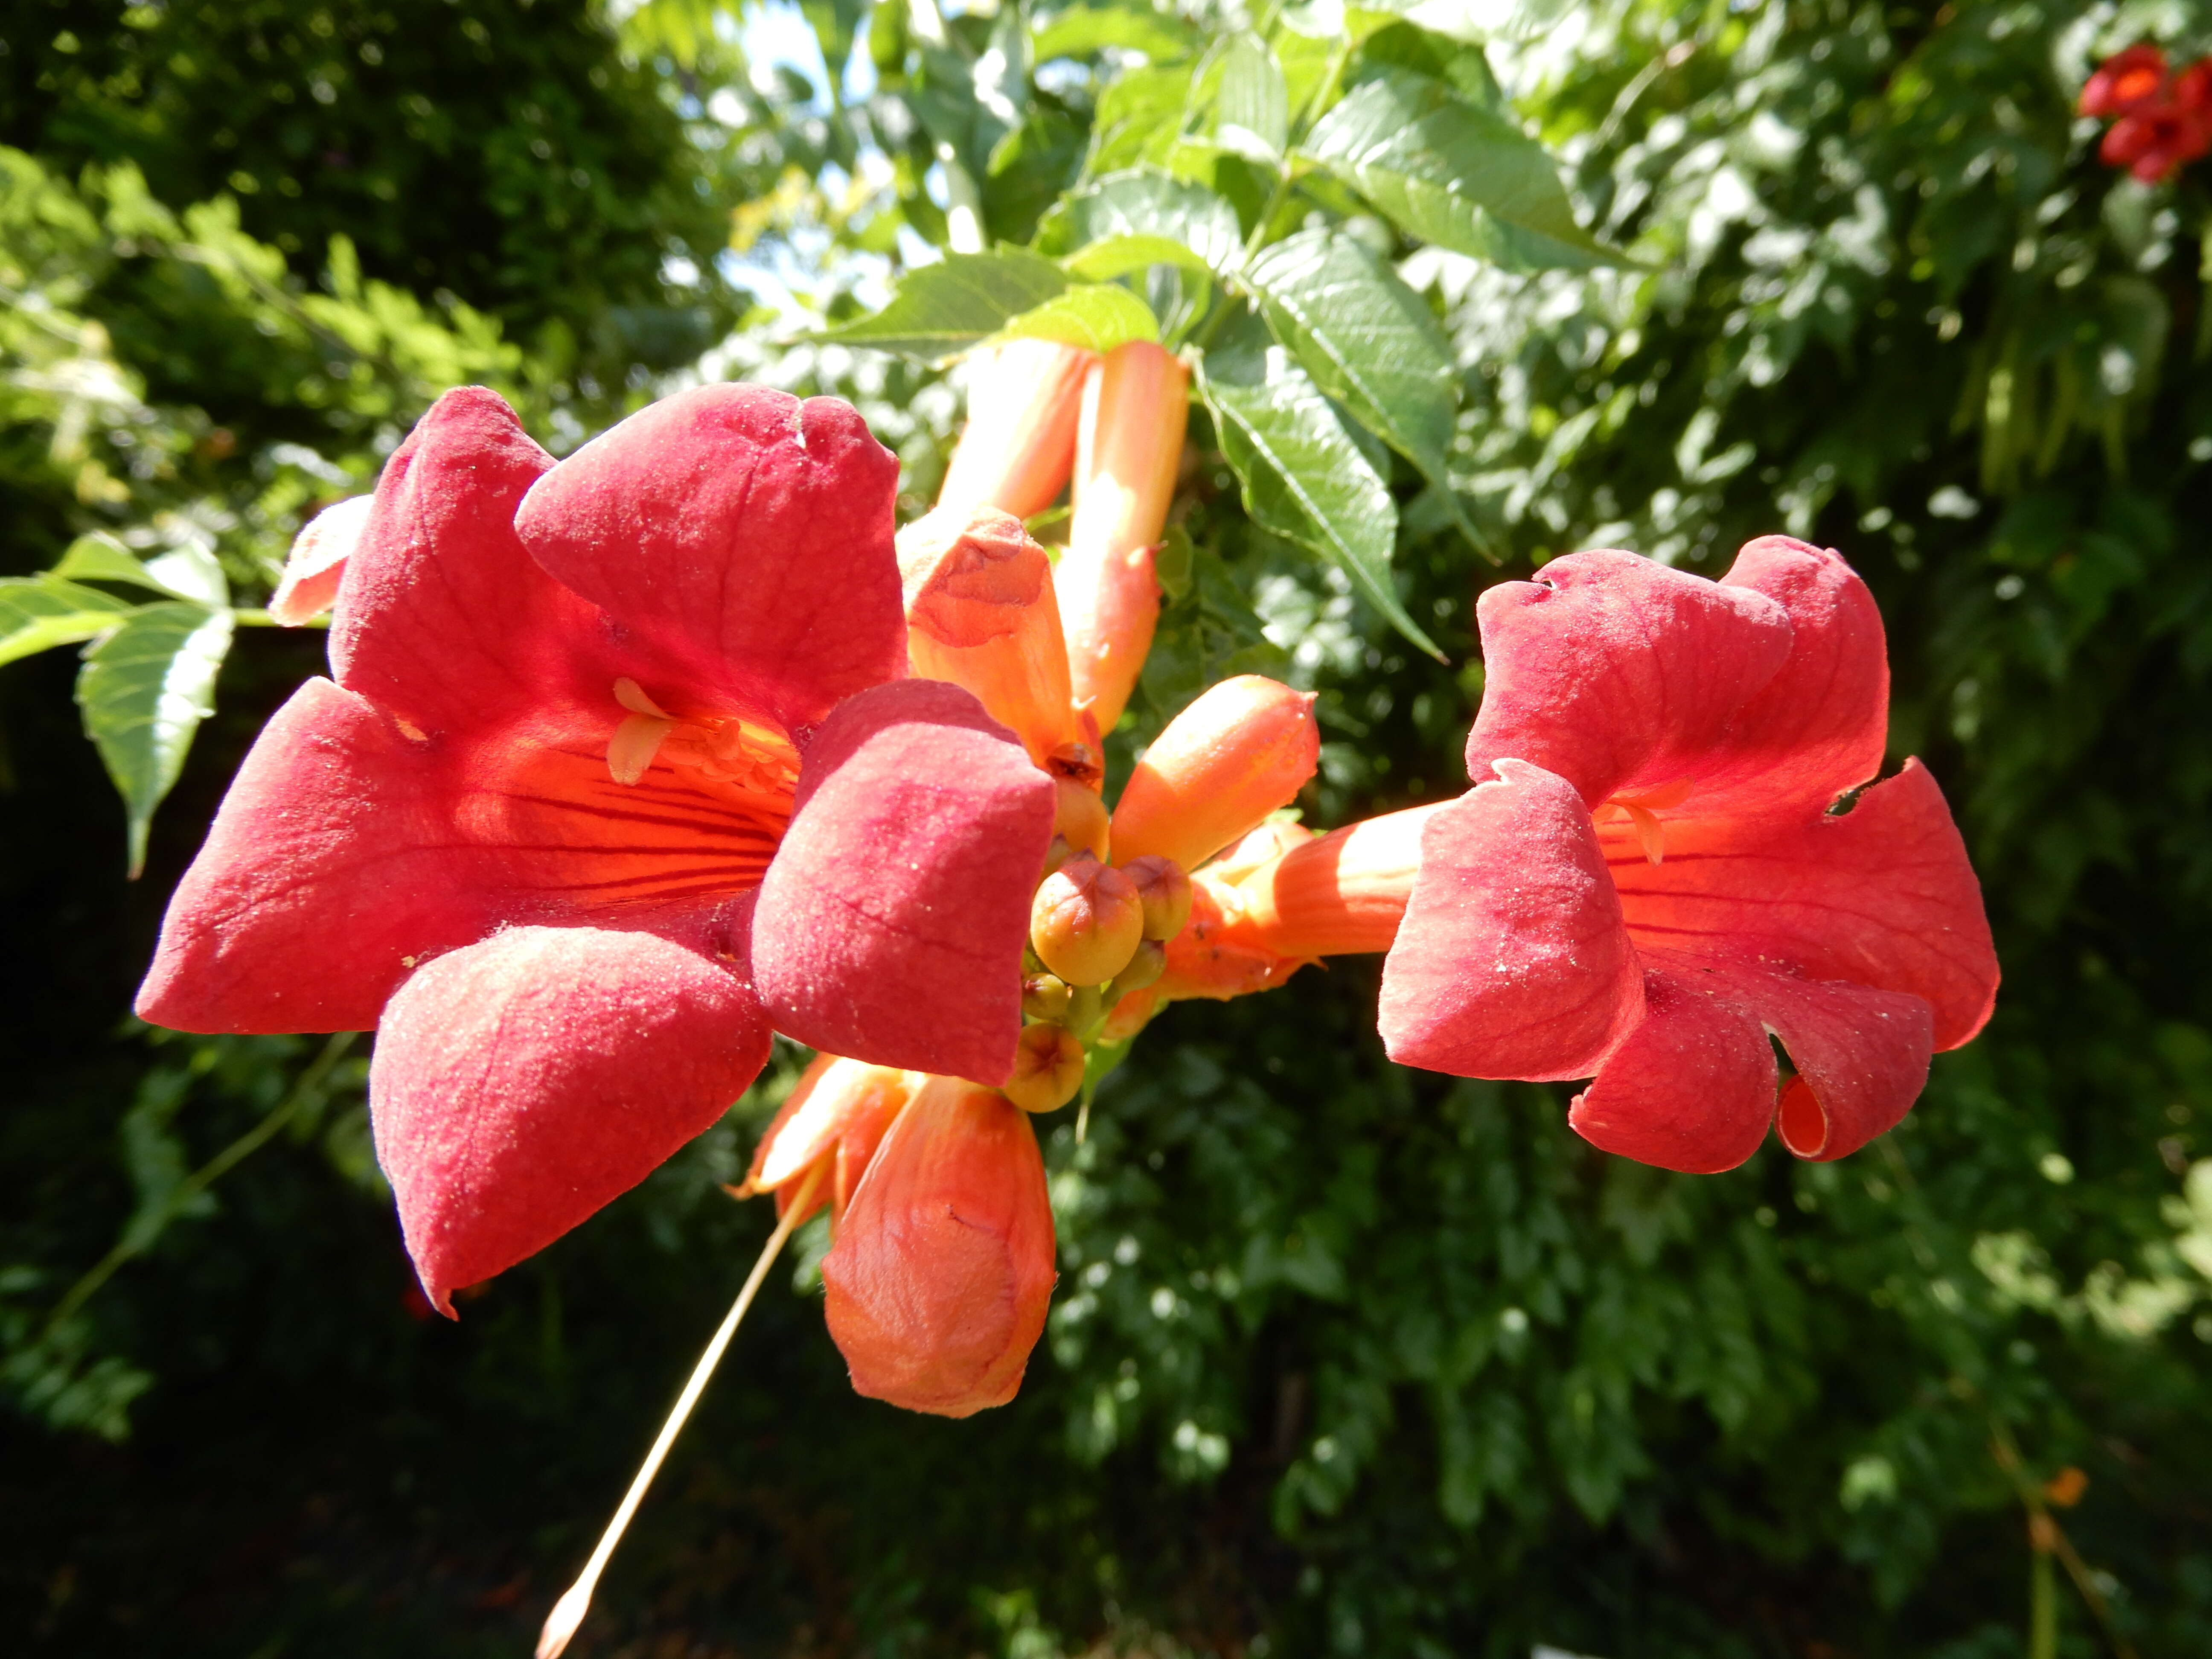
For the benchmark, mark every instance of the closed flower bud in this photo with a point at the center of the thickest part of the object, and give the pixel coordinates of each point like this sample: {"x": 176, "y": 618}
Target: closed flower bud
{"x": 1135, "y": 405}
{"x": 1082, "y": 819}
{"x": 1086, "y": 921}
{"x": 981, "y": 613}
{"x": 1165, "y": 891}
{"x": 318, "y": 561}
{"x": 1145, "y": 967}
{"x": 1244, "y": 748}
{"x": 937, "y": 1285}
{"x": 1046, "y": 996}
{"x": 1024, "y": 399}
{"x": 1048, "y": 1069}
{"x": 835, "y": 1116}
{"x": 1130, "y": 1014}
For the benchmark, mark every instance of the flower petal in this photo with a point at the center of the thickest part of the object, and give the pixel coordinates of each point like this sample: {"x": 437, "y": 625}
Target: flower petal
{"x": 318, "y": 561}
{"x": 1819, "y": 726}
{"x": 1511, "y": 961}
{"x": 1862, "y": 1060}
{"x": 746, "y": 534}
{"x": 937, "y": 1285}
{"x": 522, "y": 1083}
{"x": 1691, "y": 1088}
{"x": 890, "y": 925}
{"x": 322, "y": 879}
{"x": 1617, "y": 673}
{"x": 1881, "y": 895}
{"x": 442, "y": 618}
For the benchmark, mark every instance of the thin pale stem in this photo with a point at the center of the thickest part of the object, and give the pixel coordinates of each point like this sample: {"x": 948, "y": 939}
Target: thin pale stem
{"x": 560, "y": 1625}
{"x": 137, "y": 1237}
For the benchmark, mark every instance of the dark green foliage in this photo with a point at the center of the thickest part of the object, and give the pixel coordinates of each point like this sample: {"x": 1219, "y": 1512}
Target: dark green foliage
{"x": 1343, "y": 1359}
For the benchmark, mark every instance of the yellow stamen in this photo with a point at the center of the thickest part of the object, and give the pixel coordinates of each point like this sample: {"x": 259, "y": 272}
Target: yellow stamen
{"x": 636, "y": 741}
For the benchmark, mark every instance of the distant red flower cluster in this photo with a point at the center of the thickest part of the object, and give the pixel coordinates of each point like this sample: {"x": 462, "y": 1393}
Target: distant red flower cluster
{"x": 2161, "y": 118}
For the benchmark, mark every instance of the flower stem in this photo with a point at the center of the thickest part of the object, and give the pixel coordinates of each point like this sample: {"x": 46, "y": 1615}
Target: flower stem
{"x": 568, "y": 1612}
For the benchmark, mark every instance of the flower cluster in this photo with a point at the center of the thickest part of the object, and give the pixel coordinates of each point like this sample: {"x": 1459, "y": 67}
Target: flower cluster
{"x": 2161, "y": 118}
{"x": 628, "y": 761}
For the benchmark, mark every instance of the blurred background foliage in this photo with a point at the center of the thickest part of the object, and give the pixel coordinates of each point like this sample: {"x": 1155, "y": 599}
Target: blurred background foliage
{"x": 1343, "y": 1359}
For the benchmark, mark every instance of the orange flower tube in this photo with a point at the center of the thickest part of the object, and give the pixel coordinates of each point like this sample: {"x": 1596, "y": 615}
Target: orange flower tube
{"x": 938, "y": 1284}
{"x": 980, "y": 612}
{"x": 1338, "y": 894}
{"x": 1135, "y": 405}
{"x": 835, "y": 1117}
{"x": 1023, "y": 403}
{"x": 1244, "y": 747}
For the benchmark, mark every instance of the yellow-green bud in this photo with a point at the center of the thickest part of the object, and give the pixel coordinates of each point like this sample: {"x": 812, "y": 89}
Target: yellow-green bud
{"x": 1044, "y": 996}
{"x": 1164, "y": 890}
{"x": 1147, "y": 965}
{"x": 1086, "y": 921}
{"x": 1048, "y": 1069}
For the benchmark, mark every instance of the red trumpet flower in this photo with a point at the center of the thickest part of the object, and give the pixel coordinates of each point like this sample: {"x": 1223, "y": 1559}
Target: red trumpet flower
{"x": 1674, "y": 852}
{"x": 618, "y": 768}
{"x": 2162, "y": 119}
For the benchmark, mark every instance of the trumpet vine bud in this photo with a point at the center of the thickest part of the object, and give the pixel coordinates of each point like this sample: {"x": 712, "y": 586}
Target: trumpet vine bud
{"x": 937, "y": 1286}
{"x": 1129, "y": 447}
{"x": 1165, "y": 891}
{"x": 836, "y": 1116}
{"x": 1086, "y": 921}
{"x": 1130, "y": 1015}
{"x": 1046, "y": 996}
{"x": 1082, "y": 819}
{"x": 1025, "y": 401}
{"x": 317, "y": 562}
{"x": 1244, "y": 748}
{"x": 1145, "y": 967}
{"x": 981, "y": 613}
{"x": 1048, "y": 1069}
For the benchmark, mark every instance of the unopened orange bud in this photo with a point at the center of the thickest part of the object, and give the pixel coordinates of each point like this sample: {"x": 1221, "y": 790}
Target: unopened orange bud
{"x": 1135, "y": 405}
{"x": 980, "y": 612}
{"x": 1337, "y": 894}
{"x": 836, "y": 1116}
{"x": 1244, "y": 748}
{"x": 937, "y": 1287}
{"x": 1082, "y": 818}
{"x": 1086, "y": 921}
{"x": 1048, "y": 1069}
{"x": 1025, "y": 401}
{"x": 1145, "y": 967}
{"x": 1164, "y": 890}
{"x": 318, "y": 561}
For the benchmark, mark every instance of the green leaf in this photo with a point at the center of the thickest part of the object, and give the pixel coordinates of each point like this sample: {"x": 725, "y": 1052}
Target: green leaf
{"x": 941, "y": 310}
{"x": 1367, "y": 340}
{"x": 143, "y": 691}
{"x": 1303, "y": 476}
{"x": 1252, "y": 111}
{"x": 1142, "y": 217}
{"x": 1139, "y": 117}
{"x": 37, "y": 613}
{"x": 1439, "y": 168}
{"x": 1096, "y": 317}
{"x": 1085, "y": 31}
{"x": 188, "y": 572}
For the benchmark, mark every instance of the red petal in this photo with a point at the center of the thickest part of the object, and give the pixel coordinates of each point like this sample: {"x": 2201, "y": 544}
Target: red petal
{"x": 1618, "y": 673}
{"x": 1511, "y": 961}
{"x": 942, "y": 1272}
{"x": 1882, "y": 896}
{"x": 1862, "y": 1060}
{"x": 524, "y": 1082}
{"x": 890, "y": 925}
{"x": 1819, "y": 726}
{"x": 1691, "y": 1088}
{"x": 442, "y": 618}
{"x": 320, "y": 880}
{"x": 744, "y": 532}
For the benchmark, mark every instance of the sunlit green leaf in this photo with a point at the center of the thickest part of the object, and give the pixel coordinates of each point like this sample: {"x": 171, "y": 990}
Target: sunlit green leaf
{"x": 1085, "y": 31}
{"x": 1140, "y": 117}
{"x": 1093, "y": 316}
{"x": 40, "y": 613}
{"x": 1252, "y": 111}
{"x": 1303, "y": 476}
{"x": 1368, "y": 341}
{"x": 143, "y": 690}
{"x": 1141, "y": 217}
{"x": 1440, "y": 167}
{"x": 943, "y": 309}
{"x": 188, "y": 572}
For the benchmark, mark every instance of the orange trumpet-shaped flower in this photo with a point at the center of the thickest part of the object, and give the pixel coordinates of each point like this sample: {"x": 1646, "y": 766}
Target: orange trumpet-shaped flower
{"x": 981, "y": 613}
{"x": 834, "y": 1121}
{"x": 1244, "y": 748}
{"x": 1136, "y": 403}
{"x": 938, "y": 1284}
{"x": 1023, "y": 403}
{"x": 1333, "y": 895}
